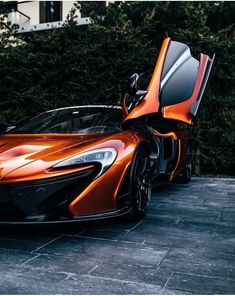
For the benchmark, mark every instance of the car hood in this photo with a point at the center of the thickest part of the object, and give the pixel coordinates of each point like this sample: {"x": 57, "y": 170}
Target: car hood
{"x": 17, "y": 151}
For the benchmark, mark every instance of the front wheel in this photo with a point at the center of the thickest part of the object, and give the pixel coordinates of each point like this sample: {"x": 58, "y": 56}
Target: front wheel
{"x": 140, "y": 184}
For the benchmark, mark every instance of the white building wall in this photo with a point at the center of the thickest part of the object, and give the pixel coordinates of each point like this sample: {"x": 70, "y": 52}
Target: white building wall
{"x": 66, "y": 7}
{"x": 31, "y": 9}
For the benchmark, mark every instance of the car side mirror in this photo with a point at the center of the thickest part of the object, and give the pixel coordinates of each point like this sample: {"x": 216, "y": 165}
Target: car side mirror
{"x": 132, "y": 87}
{"x": 134, "y": 95}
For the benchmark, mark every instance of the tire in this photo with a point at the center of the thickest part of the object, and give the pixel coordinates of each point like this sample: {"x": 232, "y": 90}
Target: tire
{"x": 187, "y": 170}
{"x": 140, "y": 185}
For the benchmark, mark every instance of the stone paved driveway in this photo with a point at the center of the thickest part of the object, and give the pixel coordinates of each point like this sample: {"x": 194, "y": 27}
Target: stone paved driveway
{"x": 186, "y": 245}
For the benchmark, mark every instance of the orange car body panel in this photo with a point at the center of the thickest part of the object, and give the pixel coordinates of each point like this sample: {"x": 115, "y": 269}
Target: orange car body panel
{"x": 173, "y": 174}
{"x": 28, "y": 157}
{"x": 181, "y": 111}
{"x": 150, "y": 102}
{"x": 23, "y": 162}
{"x": 124, "y": 108}
{"x": 170, "y": 134}
{"x": 182, "y": 141}
{"x": 100, "y": 196}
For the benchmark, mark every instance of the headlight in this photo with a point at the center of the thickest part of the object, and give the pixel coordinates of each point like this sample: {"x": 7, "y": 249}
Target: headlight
{"x": 104, "y": 156}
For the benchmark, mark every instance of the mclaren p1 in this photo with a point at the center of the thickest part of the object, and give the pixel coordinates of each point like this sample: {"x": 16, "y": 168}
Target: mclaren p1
{"x": 97, "y": 161}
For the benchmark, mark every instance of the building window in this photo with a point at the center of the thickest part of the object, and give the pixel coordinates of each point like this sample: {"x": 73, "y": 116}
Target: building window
{"x": 50, "y": 11}
{"x": 7, "y": 7}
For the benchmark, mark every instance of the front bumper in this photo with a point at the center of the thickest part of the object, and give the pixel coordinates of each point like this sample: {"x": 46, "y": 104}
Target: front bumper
{"x": 71, "y": 219}
{"x": 47, "y": 201}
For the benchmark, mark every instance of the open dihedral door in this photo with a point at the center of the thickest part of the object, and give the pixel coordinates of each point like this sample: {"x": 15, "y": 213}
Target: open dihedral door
{"x": 176, "y": 86}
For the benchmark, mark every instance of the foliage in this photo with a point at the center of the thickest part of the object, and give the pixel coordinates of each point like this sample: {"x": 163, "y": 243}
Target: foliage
{"x": 91, "y": 64}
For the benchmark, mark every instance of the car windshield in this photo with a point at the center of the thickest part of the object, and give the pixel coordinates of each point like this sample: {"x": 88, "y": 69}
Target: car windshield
{"x": 75, "y": 120}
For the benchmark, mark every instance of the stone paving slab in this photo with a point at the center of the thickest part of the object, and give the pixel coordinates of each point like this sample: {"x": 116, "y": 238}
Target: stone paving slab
{"x": 185, "y": 245}
{"x": 42, "y": 282}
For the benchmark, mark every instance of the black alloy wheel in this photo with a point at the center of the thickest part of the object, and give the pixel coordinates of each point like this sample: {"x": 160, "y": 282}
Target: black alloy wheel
{"x": 187, "y": 171}
{"x": 140, "y": 184}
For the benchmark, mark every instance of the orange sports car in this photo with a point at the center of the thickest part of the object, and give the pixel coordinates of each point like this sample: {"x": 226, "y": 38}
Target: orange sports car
{"x": 90, "y": 162}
